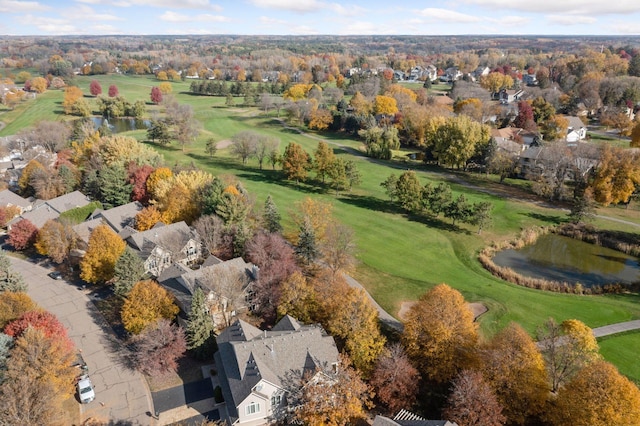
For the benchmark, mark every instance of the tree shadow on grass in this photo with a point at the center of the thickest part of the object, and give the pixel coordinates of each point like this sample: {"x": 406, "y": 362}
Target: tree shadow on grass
{"x": 546, "y": 218}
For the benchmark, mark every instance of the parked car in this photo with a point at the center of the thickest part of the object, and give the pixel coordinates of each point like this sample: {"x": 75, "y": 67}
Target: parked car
{"x": 55, "y": 275}
{"x": 86, "y": 392}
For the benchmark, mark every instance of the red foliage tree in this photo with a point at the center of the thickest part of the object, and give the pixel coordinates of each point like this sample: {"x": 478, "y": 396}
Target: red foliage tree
{"x": 472, "y": 402}
{"x": 138, "y": 176}
{"x": 94, "y": 88}
{"x": 395, "y": 379}
{"x": 41, "y": 320}
{"x": 277, "y": 261}
{"x": 113, "y": 91}
{"x": 158, "y": 347}
{"x": 27, "y": 86}
{"x": 156, "y": 95}
{"x": 524, "y": 119}
{"x": 22, "y": 235}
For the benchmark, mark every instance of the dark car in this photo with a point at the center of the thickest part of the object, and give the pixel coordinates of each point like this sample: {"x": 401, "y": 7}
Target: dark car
{"x": 55, "y": 275}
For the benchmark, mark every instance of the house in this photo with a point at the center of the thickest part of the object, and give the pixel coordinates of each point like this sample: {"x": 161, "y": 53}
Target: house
{"x": 83, "y": 231}
{"x": 213, "y": 278}
{"x": 256, "y": 367}
{"x": 44, "y": 210}
{"x": 576, "y": 130}
{"x": 406, "y": 418}
{"x": 451, "y": 74}
{"x": 480, "y": 72}
{"x": 118, "y": 218}
{"x": 508, "y": 96}
{"x": 530, "y": 79}
{"x": 163, "y": 244}
{"x": 11, "y": 199}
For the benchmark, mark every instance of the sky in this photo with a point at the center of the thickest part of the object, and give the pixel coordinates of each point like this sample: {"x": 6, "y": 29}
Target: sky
{"x": 310, "y": 17}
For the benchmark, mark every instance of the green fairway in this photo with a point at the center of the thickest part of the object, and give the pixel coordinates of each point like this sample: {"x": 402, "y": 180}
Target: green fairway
{"x": 622, "y": 351}
{"x": 400, "y": 256}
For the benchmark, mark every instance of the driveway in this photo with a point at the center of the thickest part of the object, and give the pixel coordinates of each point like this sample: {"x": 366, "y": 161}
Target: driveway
{"x": 121, "y": 394}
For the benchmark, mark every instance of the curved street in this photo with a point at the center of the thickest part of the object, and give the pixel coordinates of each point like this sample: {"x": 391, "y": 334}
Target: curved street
{"x": 122, "y": 395}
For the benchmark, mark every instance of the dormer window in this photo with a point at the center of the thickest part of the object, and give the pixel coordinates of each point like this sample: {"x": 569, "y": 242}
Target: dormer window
{"x": 253, "y": 408}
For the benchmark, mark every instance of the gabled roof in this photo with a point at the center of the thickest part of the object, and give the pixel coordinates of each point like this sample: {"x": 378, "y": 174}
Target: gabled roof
{"x": 120, "y": 217}
{"x": 574, "y": 122}
{"x": 38, "y": 216}
{"x": 84, "y": 229}
{"x": 157, "y": 235}
{"x": 68, "y": 201}
{"x": 246, "y": 355}
{"x": 9, "y": 197}
{"x": 234, "y": 266}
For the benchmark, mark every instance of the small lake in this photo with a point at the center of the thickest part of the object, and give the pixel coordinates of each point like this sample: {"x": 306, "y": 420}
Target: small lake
{"x": 119, "y": 125}
{"x": 558, "y": 258}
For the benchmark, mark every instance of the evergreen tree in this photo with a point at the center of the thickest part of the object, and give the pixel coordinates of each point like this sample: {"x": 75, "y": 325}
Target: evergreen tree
{"x": 10, "y": 280}
{"x": 307, "y": 247}
{"x": 271, "y": 216}
{"x": 200, "y": 336}
{"x": 128, "y": 271}
{"x": 114, "y": 187}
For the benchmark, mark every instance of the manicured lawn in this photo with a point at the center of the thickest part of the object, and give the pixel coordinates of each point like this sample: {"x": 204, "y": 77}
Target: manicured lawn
{"x": 400, "y": 256}
{"x": 622, "y": 351}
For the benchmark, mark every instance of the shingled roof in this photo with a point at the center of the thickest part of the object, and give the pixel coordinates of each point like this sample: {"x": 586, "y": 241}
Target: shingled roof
{"x": 120, "y": 217}
{"x": 246, "y": 355}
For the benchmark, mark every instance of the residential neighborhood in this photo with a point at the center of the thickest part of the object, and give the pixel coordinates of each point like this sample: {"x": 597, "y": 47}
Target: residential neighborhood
{"x": 310, "y": 230}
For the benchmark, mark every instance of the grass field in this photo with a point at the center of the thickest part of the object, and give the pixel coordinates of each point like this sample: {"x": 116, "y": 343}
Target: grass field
{"x": 400, "y": 256}
{"x": 622, "y": 351}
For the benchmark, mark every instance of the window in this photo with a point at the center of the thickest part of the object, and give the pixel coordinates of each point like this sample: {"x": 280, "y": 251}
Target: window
{"x": 275, "y": 400}
{"x": 253, "y": 408}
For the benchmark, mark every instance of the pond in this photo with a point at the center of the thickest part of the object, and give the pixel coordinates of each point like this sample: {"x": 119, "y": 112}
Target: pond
{"x": 558, "y": 258}
{"x": 119, "y": 125}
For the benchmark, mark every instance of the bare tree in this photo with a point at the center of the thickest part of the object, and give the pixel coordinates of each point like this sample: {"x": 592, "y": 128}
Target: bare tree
{"x": 395, "y": 379}
{"x": 338, "y": 248}
{"x": 211, "y": 231}
{"x": 51, "y": 135}
{"x": 244, "y": 145}
{"x": 265, "y": 146}
{"x": 158, "y": 347}
{"x": 227, "y": 292}
{"x": 472, "y": 401}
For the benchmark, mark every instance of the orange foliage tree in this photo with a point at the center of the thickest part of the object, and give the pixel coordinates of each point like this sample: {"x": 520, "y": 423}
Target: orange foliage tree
{"x": 71, "y": 95}
{"x": 146, "y": 303}
{"x": 105, "y": 247}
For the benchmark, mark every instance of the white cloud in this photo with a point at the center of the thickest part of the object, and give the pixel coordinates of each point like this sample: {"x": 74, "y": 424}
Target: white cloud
{"x": 86, "y": 13}
{"x": 267, "y": 20}
{"x": 14, "y": 6}
{"x": 447, "y": 15}
{"x": 49, "y": 25}
{"x": 624, "y": 27}
{"x": 577, "y": 7}
{"x": 170, "y": 16}
{"x": 173, "y": 4}
{"x": 348, "y": 10}
{"x": 297, "y": 6}
{"x": 511, "y": 21}
{"x": 571, "y": 19}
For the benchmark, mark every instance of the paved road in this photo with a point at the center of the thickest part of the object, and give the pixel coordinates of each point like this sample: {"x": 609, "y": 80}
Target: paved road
{"x": 384, "y": 316}
{"x": 121, "y": 394}
{"x": 620, "y": 327}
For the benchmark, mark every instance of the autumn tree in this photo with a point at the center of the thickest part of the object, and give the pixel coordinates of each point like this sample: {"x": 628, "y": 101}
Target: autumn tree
{"x": 337, "y": 174}
{"x": 524, "y": 119}
{"x": 24, "y": 182}
{"x": 156, "y": 95}
{"x": 51, "y": 135}
{"x": 95, "y": 88}
{"x": 542, "y": 110}
{"x": 338, "y": 248}
{"x": 566, "y": 349}
{"x": 297, "y": 298}
{"x": 597, "y": 396}
{"x": 440, "y": 334}
{"x": 71, "y": 95}
{"x": 635, "y": 136}
{"x": 385, "y": 105}
{"x": 307, "y": 246}
{"x": 22, "y": 235}
{"x": 472, "y": 402}
{"x": 42, "y": 320}
{"x": 39, "y": 85}
{"x": 146, "y": 303}
{"x": 56, "y": 240}
{"x": 200, "y": 328}
{"x": 295, "y": 162}
{"x": 13, "y": 305}
{"x": 211, "y": 229}
{"x": 335, "y": 399}
{"x": 616, "y": 177}
{"x": 320, "y": 119}
{"x": 128, "y": 270}
{"x": 514, "y": 367}
{"x": 458, "y": 139}
{"x": 323, "y": 158}
{"x": 395, "y": 380}
{"x": 496, "y": 81}
{"x": 10, "y": 280}
{"x": 113, "y": 91}
{"x": 158, "y": 347}
{"x": 103, "y": 251}
{"x": 147, "y": 218}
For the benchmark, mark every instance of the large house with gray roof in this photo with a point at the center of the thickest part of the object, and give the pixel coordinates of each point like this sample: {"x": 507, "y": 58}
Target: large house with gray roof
{"x": 120, "y": 217}
{"x": 256, "y": 367}
{"x": 163, "y": 245}
{"x": 44, "y": 210}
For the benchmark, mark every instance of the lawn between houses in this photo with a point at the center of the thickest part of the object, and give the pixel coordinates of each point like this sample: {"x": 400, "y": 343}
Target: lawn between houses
{"x": 400, "y": 257}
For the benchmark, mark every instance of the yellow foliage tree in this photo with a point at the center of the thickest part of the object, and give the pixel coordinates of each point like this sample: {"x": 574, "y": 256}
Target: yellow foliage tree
{"x": 83, "y": 150}
{"x": 617, "y": 176}
{"x": 147, "y": 218}
{"x": 440, "y": 334}
{"x": 318, "y": 213}
{"x": 71, "y": 95}
{"x": 598, "y": 396}
{"x": 297, "y": 91}
{"x": 385, "y": 105}
{"x": 125, "y": 149}
{"x": 165, "y": 88}
{"x": 158, "y": 175}
{"x": 178, "y": 196}
{"x": 360, "y": 104}
{"x": 105, "y": 247}
{"x": 39, "y": 84}
{"x": 162, "y": 76}
{"x": 13, "y": 305}
{"x": 396, "y": 89}
{"x": 320, "y": 119}
{"x": 25, "y": 178}
{"x": 514, "y": 367}
{"x": 297, "y": 298}
{"x": 146, "y": 303}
